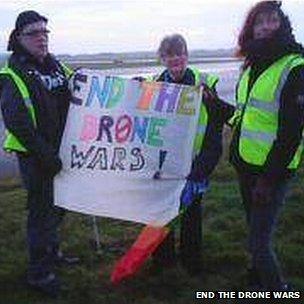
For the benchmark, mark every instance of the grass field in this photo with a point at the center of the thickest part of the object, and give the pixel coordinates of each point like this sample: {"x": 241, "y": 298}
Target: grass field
{"x": 224, "y": 255}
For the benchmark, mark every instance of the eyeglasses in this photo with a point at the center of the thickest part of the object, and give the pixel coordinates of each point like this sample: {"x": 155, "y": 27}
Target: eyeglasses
{"x": 36, "y": 33}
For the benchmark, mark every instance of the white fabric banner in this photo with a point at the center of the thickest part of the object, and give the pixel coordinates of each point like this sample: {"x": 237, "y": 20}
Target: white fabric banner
{"x": 127, "y": 147}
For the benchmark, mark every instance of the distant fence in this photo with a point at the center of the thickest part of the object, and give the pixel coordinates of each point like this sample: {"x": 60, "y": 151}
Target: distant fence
{"x": 134, "y": 63}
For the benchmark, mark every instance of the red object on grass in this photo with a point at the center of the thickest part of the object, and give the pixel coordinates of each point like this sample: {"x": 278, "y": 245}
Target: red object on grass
{"x": 147, "y": 242}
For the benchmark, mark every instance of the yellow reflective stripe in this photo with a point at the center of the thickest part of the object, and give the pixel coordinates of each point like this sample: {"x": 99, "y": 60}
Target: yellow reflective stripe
{"x": 297, "y": 158}
{"x": 296, "y": 61}
{"x": 255, "y": 119}
{"x": 68, "y": 72}
{"x": 198, "y": 141}
{"x": 200, "y": 77}
{"x": 12, "y": 143}
{"x": 18, "y": 81}
{"x": 200, "y": 130}
{"x": 32, "y": 114}
{"x": 197, "y": 75}
{"x": 235, "y": 119}
{"x": 212, "y": 80}
{"x": 242, "y": 87}
{"x": 259, "y": 123}
{"x": 151, "y": 78}
{"x": 23, "y": 91}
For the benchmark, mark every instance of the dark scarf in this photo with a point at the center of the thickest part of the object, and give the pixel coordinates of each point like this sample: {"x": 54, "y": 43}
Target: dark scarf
{"x": 268, "y": 50}
{"x": 49, "y": 73}
{"x": 187, "y": 79}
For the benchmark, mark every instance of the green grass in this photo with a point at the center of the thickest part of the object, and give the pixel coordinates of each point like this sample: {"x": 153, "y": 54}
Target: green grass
{"x": 224, "y": 254}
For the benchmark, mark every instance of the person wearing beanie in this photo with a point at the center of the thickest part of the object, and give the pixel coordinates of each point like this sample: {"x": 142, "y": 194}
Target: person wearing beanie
{"x": 267, "y": 139}
{"x": 34, "y": 102}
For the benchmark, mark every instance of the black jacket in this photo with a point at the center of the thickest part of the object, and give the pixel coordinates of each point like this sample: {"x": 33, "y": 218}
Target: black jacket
{"x": 219, "y": 112}
{"x": 290, "y": 127}
{"x": 50, "y": 96}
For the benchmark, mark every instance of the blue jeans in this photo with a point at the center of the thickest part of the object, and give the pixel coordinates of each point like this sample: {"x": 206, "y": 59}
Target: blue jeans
{"x": 262, "y": 221}
{"x": 43, "y": 218}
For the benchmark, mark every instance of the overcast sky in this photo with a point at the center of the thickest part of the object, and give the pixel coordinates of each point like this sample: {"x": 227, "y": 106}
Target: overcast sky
{"x": 79, "y": 26}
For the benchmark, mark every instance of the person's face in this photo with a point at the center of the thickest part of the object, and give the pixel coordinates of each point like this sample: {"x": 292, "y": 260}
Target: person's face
{"x": 34, "y": 38}
{"x": 176, "y": 63}
{"x": 266, "y": 24}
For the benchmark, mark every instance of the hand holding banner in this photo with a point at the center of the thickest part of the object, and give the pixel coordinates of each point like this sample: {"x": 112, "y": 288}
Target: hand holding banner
{"x": 115, "y": 131}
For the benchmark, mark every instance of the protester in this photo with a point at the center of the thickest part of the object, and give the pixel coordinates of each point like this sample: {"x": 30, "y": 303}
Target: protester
{"x": 267, "y": 140}
{"x": 173, "y": 54}
{"x": 34, "y": 102}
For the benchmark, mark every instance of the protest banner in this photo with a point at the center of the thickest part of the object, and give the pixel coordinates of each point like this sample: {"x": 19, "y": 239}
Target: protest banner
{"x": 119, "y": 134}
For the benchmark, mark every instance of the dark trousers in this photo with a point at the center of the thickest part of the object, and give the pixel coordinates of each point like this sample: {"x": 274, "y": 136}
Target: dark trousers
{"x": 262, "y": 220}
{"x": 190, "y": 239}
{"x": 43, "y": 218}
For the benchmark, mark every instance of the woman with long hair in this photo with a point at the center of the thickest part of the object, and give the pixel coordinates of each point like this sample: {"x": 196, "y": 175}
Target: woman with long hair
{"x": 267, "y": 139}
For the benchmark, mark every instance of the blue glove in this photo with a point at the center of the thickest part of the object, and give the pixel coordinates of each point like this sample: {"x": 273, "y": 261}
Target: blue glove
{"x": 192, "y": 190}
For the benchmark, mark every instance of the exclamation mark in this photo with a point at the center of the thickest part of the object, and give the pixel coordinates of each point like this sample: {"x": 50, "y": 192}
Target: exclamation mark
{"x": 162, "y": 157}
